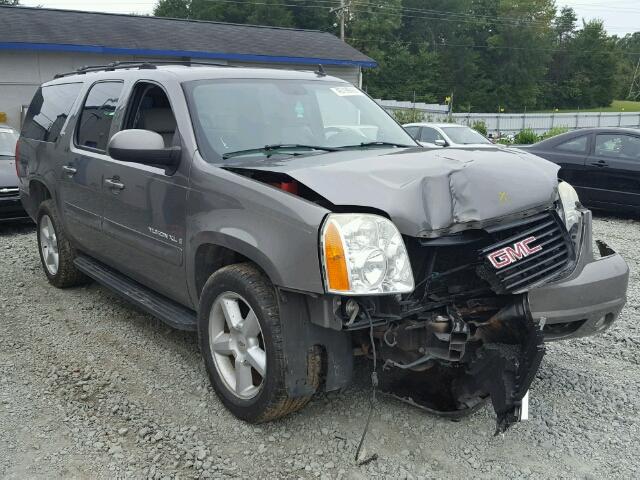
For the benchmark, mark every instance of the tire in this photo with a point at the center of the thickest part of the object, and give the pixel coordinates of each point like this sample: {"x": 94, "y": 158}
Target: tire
{"x": 64, "y": 274}
{"x": 266, "y": 398}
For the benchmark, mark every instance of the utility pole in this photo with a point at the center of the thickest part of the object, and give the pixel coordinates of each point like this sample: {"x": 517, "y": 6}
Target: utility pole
{"x": 342, "y": 13}
{"x": 634, "y": 89}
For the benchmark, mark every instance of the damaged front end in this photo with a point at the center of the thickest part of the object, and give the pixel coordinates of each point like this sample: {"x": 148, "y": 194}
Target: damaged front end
{"x": 499, "y": 255}
{"x": 461, "y": 364}
{"x": 464, "y": 335}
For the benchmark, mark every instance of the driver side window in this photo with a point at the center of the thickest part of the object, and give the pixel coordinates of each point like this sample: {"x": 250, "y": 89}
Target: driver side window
{"x": 430, "y": 135}
{"x": 150, "y": 110}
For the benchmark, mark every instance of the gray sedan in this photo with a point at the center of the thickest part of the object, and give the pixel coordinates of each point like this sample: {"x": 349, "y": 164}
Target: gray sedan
{"x": 10, "y": 206}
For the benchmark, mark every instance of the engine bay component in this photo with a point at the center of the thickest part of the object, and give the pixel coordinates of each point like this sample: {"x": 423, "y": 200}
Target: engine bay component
{"x": 450, "y": 365}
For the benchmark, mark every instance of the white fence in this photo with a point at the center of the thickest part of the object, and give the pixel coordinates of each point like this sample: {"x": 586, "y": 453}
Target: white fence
{"x": 506, "y": 123}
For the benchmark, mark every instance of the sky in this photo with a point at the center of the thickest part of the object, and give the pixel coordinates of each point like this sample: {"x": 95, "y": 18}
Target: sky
{"x": 619, "y": 16}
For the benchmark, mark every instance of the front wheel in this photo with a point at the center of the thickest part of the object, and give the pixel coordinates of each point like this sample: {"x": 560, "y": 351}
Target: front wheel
{"x": 241, "y": 341}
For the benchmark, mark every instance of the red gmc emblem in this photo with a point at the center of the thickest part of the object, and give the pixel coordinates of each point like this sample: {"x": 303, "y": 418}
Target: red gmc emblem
{"x": 508, "y": 255}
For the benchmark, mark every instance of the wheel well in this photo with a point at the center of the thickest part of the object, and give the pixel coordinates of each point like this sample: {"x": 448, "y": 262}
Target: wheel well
{"x": 211, "y": 258}
{"x": 38, "y": 192}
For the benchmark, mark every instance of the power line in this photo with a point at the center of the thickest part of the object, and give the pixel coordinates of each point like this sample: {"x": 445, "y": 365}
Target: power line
{"x": 407, "y": 12}
{"x": 634, "y": 89}
{"x": 496, "y": 47}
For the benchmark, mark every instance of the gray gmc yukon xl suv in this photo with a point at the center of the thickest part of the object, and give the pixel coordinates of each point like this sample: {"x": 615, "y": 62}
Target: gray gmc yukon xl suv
{"x": 294, "y": 225}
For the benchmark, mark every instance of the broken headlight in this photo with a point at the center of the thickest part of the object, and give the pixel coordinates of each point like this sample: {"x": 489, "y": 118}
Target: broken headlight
{"x": 364, "y": 254}
{"x": 570, "y": 202}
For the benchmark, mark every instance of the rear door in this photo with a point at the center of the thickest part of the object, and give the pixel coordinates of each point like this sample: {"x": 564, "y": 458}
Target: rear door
{"x": 45, "y": 141}
{"x": 83, "y": 171}
{"x": 571, "y": 155}
{"x": 145, "y": 206}
{"x": 614, "y": 169}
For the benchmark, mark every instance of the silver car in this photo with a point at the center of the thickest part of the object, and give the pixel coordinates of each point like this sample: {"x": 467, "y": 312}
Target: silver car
{"x": 10, "y": 206}
{"x": 446, "y": 135}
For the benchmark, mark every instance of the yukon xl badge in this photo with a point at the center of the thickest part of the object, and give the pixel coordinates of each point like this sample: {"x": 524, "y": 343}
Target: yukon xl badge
{"x": 508, "y": 255}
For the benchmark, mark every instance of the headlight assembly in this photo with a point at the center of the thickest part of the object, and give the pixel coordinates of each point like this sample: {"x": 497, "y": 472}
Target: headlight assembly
{"x": 569, "y": 201}
{"x": 364, "y": 254}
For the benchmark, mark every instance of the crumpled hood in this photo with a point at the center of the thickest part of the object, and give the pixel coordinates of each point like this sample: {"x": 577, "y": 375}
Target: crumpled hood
{"x": 425, "y": 192}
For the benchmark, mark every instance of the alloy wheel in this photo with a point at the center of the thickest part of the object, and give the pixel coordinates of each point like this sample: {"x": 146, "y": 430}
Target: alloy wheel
{"x": 49, "y": 244}
{"x": 237, "y": 345}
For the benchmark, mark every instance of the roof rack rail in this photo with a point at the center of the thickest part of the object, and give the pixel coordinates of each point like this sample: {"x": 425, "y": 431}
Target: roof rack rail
{"x": 141, "y": 65}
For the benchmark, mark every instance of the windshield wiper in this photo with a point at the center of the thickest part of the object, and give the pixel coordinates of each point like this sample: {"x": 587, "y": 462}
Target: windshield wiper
{"x": 378, "y": 144}
{"x": 279, "y": 149}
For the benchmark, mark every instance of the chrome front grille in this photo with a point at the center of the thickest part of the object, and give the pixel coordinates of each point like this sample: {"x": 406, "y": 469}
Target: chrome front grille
{"x": 9, "y": 192}
{"x": 525, "y": 253}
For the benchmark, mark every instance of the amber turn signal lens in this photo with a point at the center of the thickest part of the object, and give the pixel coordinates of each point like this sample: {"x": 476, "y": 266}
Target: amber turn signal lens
{"x": 335, "y": 260}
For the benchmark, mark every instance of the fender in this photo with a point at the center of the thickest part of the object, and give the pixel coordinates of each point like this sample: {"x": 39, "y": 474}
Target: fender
{"x": 235, "y": 243}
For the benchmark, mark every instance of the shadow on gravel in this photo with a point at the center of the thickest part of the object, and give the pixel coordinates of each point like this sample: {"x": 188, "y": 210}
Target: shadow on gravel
{"x": 613, "y": 215}
{"x": 15, "y": 227}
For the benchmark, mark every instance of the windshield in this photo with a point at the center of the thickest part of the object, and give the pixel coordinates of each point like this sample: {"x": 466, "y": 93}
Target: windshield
{"x": 310, "y": 117}
{"x": 8, "y": 139}
{"x": 464, "y": 135}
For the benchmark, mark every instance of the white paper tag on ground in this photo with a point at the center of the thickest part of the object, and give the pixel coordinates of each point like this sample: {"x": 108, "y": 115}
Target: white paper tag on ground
{"x": 524, "y": 408}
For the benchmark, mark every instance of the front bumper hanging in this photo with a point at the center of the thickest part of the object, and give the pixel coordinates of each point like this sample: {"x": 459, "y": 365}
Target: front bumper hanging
{"x": 500, "y": 368}
{"x": 588, "y": 300}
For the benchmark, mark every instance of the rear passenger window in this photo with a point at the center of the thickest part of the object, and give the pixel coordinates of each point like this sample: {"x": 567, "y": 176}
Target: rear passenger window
{"x": 49, "y": 110}
{"x": 97, "y": 114}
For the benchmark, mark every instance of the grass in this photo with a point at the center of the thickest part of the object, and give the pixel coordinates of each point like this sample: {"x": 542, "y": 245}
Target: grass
{"x": 616, "y": 106}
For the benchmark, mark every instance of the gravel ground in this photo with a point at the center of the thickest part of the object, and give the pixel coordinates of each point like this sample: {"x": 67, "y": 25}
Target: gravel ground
{"x": 90, "y": 387}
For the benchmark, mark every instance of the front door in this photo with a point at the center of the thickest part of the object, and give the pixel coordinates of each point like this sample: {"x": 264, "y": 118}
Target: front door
{"x": 614, "y": 169}
{"x": 83, "y": 169}
{"x": 145, "y": 206}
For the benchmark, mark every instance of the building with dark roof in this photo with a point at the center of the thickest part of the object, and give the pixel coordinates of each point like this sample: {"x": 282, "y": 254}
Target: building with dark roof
{"x": 37, "y": 43}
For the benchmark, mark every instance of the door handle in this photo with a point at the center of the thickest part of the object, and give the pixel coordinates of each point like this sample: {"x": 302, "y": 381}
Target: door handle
{"x": 69, "y": 170}
{"x": 114, "y": 184}
{"x": 599, "y": 163}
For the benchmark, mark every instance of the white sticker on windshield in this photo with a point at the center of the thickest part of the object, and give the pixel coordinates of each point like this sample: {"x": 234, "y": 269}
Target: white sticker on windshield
{"x": 346, "y": 91}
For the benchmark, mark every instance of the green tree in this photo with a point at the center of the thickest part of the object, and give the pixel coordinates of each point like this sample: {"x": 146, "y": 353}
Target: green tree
{"x": 267, "y": 12}
{"x": 403, "y": 75}
{"x": 564, "y": 25}
{"x": 628, "y": 51}
{"x": 12, "y": 3}
{"x": 590, "y": 71}
{"x": 511, "y": 54}
{"x": 172, "y": 8}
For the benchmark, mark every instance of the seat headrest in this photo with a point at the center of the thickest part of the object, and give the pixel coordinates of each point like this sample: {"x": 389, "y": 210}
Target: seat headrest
{"x": 159, "y": 120}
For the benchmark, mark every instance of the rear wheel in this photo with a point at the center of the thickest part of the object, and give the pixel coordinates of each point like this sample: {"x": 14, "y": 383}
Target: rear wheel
{"x": 241, "y": 341}
{"x": 56, "y": 254}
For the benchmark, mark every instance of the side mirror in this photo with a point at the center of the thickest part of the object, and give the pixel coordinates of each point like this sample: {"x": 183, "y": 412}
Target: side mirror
{"x": 440, "y": 143}
{"x": 143, "y": 146}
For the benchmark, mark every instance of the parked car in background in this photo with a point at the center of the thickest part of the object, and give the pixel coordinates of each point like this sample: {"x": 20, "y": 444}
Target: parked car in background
{"x": 603, "y": 164}
{"x": 446, "y": 135}
{"x": 10, "y": 206}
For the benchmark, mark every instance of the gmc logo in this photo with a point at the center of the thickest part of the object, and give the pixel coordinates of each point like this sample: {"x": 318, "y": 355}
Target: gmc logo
{"x": 508, "y": 255}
